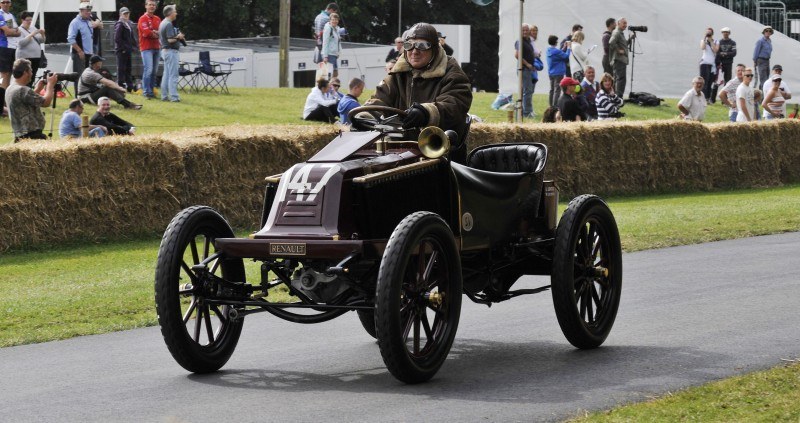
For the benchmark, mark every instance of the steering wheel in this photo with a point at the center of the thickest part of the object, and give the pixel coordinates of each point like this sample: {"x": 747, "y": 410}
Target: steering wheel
{"x": 391, "y": 119}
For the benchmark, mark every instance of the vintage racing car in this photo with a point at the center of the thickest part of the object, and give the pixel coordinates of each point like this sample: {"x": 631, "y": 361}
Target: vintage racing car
{"x": 396, "y": 231}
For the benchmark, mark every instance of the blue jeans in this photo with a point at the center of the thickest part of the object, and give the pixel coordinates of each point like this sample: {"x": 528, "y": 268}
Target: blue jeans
{"x": 169, "y": 80}
{"x": 150, "y": 72}
{"x": 527, "y": 92}
{"x": 733, "y": 116}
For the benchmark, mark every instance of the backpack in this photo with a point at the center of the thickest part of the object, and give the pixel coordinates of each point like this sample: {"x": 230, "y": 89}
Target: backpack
{"x": 645, "y": 99}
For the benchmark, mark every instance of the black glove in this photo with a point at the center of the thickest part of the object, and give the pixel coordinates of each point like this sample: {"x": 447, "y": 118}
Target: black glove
{"x": 416, "y": 117}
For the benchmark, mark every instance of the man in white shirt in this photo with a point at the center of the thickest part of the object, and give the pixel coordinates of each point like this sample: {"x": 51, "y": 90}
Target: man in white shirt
{"x": 785, "y": 92}
{"x": 745, "y": 98}
{"x": 693, "y": 103}
{"x": 728, "y": 94}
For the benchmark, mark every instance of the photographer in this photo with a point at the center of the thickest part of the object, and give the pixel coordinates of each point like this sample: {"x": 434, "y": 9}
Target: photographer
{"x": 708, "y": 67}
{"x": 171, "y": 40}
{"x": 24, "y": 105}
{"x": 618, "y": 50}
{"x": 92, "y": 85}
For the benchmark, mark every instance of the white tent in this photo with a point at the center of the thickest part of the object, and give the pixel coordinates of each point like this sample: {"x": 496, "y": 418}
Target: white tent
{"x": 667, "y": 55}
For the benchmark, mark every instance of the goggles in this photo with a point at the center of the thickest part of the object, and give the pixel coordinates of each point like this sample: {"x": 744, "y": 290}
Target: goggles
{"x": 419, "y": 45}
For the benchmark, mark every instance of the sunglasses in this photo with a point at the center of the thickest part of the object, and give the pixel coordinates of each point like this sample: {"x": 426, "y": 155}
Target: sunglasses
{"x": 336, "y": 85}
{"x": 749, "y": 75}
{"x": 419, "y": 45}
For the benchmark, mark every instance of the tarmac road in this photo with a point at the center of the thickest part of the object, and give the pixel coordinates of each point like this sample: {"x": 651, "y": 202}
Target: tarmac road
{"x": 688, "y": 315}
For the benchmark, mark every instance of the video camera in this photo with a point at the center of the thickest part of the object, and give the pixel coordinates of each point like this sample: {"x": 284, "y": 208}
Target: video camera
{"x": 638, "y": 28}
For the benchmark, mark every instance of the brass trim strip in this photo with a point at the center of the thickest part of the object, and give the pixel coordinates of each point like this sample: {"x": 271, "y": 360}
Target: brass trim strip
{"x": 274, "y": 179}
{"x": 396, "y": 171}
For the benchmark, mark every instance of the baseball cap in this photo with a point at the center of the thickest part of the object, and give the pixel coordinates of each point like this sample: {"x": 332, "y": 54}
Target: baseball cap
{"x": 124, "y": 10}
{"x": 95, "y": 59}
{"x": 85, "y": 6}
{"x": 726, "y": 29}
{"x": 776, "y": 76}
{"x": 778, "y": 67}
{"x": 767, "y": 28}
{"x": 567, "y": 81}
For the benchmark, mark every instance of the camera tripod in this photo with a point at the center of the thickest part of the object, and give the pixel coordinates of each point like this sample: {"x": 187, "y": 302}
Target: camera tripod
{"x": 633, "y": 60}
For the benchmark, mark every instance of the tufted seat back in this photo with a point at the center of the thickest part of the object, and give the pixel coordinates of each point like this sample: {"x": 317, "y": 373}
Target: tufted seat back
{"x": 506, "y": 158}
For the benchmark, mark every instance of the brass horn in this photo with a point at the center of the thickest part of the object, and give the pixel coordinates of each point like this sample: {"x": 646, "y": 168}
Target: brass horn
{"x": 433, "y": 142}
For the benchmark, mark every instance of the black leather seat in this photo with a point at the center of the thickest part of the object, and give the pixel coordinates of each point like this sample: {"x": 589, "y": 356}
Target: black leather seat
{"x": 509, "y": 158}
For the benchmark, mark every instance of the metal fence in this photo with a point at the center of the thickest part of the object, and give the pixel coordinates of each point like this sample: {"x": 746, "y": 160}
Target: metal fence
{"x": 772, "y": 13}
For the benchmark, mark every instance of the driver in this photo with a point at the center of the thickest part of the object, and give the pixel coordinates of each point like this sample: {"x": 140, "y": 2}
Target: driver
{"x": 428, "y": 85}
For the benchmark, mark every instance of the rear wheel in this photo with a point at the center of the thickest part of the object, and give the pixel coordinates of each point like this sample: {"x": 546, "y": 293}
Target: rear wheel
{"x": 200, "y": 336}
{"x": 418, "y": 297}
{"x": 587, "y": 271}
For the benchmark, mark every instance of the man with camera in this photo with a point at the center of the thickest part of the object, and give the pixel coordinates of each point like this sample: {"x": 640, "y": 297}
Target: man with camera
{"x": 618, "y": 50}
{"x": 92, "y": 85}
{"x": 708, "y": 67}
{"x": 24, "y": 105}
{"x": 171, "y": 40}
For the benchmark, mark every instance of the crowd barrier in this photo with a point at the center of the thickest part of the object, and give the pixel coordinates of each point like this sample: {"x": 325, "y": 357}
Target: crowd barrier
{"x": 82, "y": 190}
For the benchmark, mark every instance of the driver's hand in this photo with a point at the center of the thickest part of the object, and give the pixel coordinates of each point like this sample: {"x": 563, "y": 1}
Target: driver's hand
{"x": 417, "y": 117}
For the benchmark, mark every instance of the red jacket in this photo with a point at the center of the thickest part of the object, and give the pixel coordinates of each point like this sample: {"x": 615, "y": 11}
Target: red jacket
{"x": 148, "y": 32}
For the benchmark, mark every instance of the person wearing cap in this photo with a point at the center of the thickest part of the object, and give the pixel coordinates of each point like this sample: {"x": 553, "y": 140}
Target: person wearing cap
{"x": 123, "y": 45}
{"x": 761, "y": 55}
{"x": 776, "y": 98}
{"x": 443, "y": 42}
{"x": 79, "y": 37}
{"x": 9, "y": 31}
{"x": 429, "y": 86}
{"x": 171, "y": 40}
{"x": 693, "y": 104}
{"x": 726, "y": 51}
{"x": 92, "y": 85}
{"x": 150, "y": 47}
{"x": 567, "y": 104}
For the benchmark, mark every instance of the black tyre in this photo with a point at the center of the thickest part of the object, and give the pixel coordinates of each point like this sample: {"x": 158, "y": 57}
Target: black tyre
{"x": 201, "y": 337}
{"x": 367, "y": 319}
{"x": 587, "y": 271}
{"x": 418, "y": 297}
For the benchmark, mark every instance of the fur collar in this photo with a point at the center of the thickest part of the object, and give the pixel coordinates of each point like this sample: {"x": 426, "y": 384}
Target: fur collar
{"x": 435, "y": 70}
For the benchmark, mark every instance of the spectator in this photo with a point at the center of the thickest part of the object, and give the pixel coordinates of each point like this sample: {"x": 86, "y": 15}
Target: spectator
{"x": 441, "y": 93}
{"x": 396, "y": 51}
{"x": 8, "y": 44}
{"x": 761, "y": 55}
{"x": 537, "y": 58}
{"x": 30, "y": 43}
{"x": 150, "y": 47}
{"x": 588, "y": 94}
{"x": 320, "y": 21}
{"x": 579, "y": 55}
{"x": 725, "y": 54}
{"x": 123, "y": 45}
{"x": 318, "y": 106}
{"x": 708, "y": 67}
{"x": 71, "y": 123}
{"x": 567, "y": 104}
{"x": 79, "y": 36}
{"x": 728, "y": 94}
{"x": 611, "y": 23}
{"x": 443, "y": 42}
{"x": 556, "y": 67}
{"x": 115, "y": 124}
{"x": 607, "y": 101}
{"x": 774, "y": 103}
{"x": 693, "y": 104}
{"x": 97, "y": 34}
{"x": 618, "y": 49}
{"x": 331, "y": 43}
{"x": 170, "y": 39}
{"x": 333, "y": 90}
{"x": 527, "y": 70}
{"x": 92, "y": 85}
{"x": 568, "y": 39}
{"x": 551, "y": 115}
{"x": 350, "y": 101}
{"x": 784, "y": 89}
{"x": 24, "y": 105}
{"x": 745, "y": 98}
{"x": 758, "y": 95}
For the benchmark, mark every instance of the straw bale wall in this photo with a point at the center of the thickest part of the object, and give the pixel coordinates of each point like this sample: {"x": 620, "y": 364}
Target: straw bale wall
{"x": 54, "y": 192}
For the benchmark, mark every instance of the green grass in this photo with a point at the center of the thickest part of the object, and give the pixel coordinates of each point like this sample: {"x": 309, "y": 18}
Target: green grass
{"x": 766, "y": 396}
{"x": 285, "y": 105}
{"x": 78, "y": 290}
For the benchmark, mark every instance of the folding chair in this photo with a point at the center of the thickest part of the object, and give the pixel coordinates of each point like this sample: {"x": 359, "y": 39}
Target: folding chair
{"x": 189, "y": 74}
{"x": 212, "y": 74}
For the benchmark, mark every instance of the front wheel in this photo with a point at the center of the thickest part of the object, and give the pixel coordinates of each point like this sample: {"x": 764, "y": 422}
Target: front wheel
{"x": 200, "y": 336}
{"x": 418, "y": 297}
{"x": 587, "y": 271}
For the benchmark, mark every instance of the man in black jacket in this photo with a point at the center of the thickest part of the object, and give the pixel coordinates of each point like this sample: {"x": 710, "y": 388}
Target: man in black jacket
{"x": 115, "y": 124}
{"x": 123, "y": 44}
{"x": 726, "y": 53}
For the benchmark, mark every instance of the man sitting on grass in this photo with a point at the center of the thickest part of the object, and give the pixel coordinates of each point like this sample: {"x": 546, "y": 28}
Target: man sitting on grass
{"x": 115, "y": 124}
{"x": 92, "y": 85}
{"x": 70, "y": 126}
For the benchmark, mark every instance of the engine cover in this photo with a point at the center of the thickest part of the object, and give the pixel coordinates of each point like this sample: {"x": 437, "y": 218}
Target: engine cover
{"x": 318, "y": 286}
